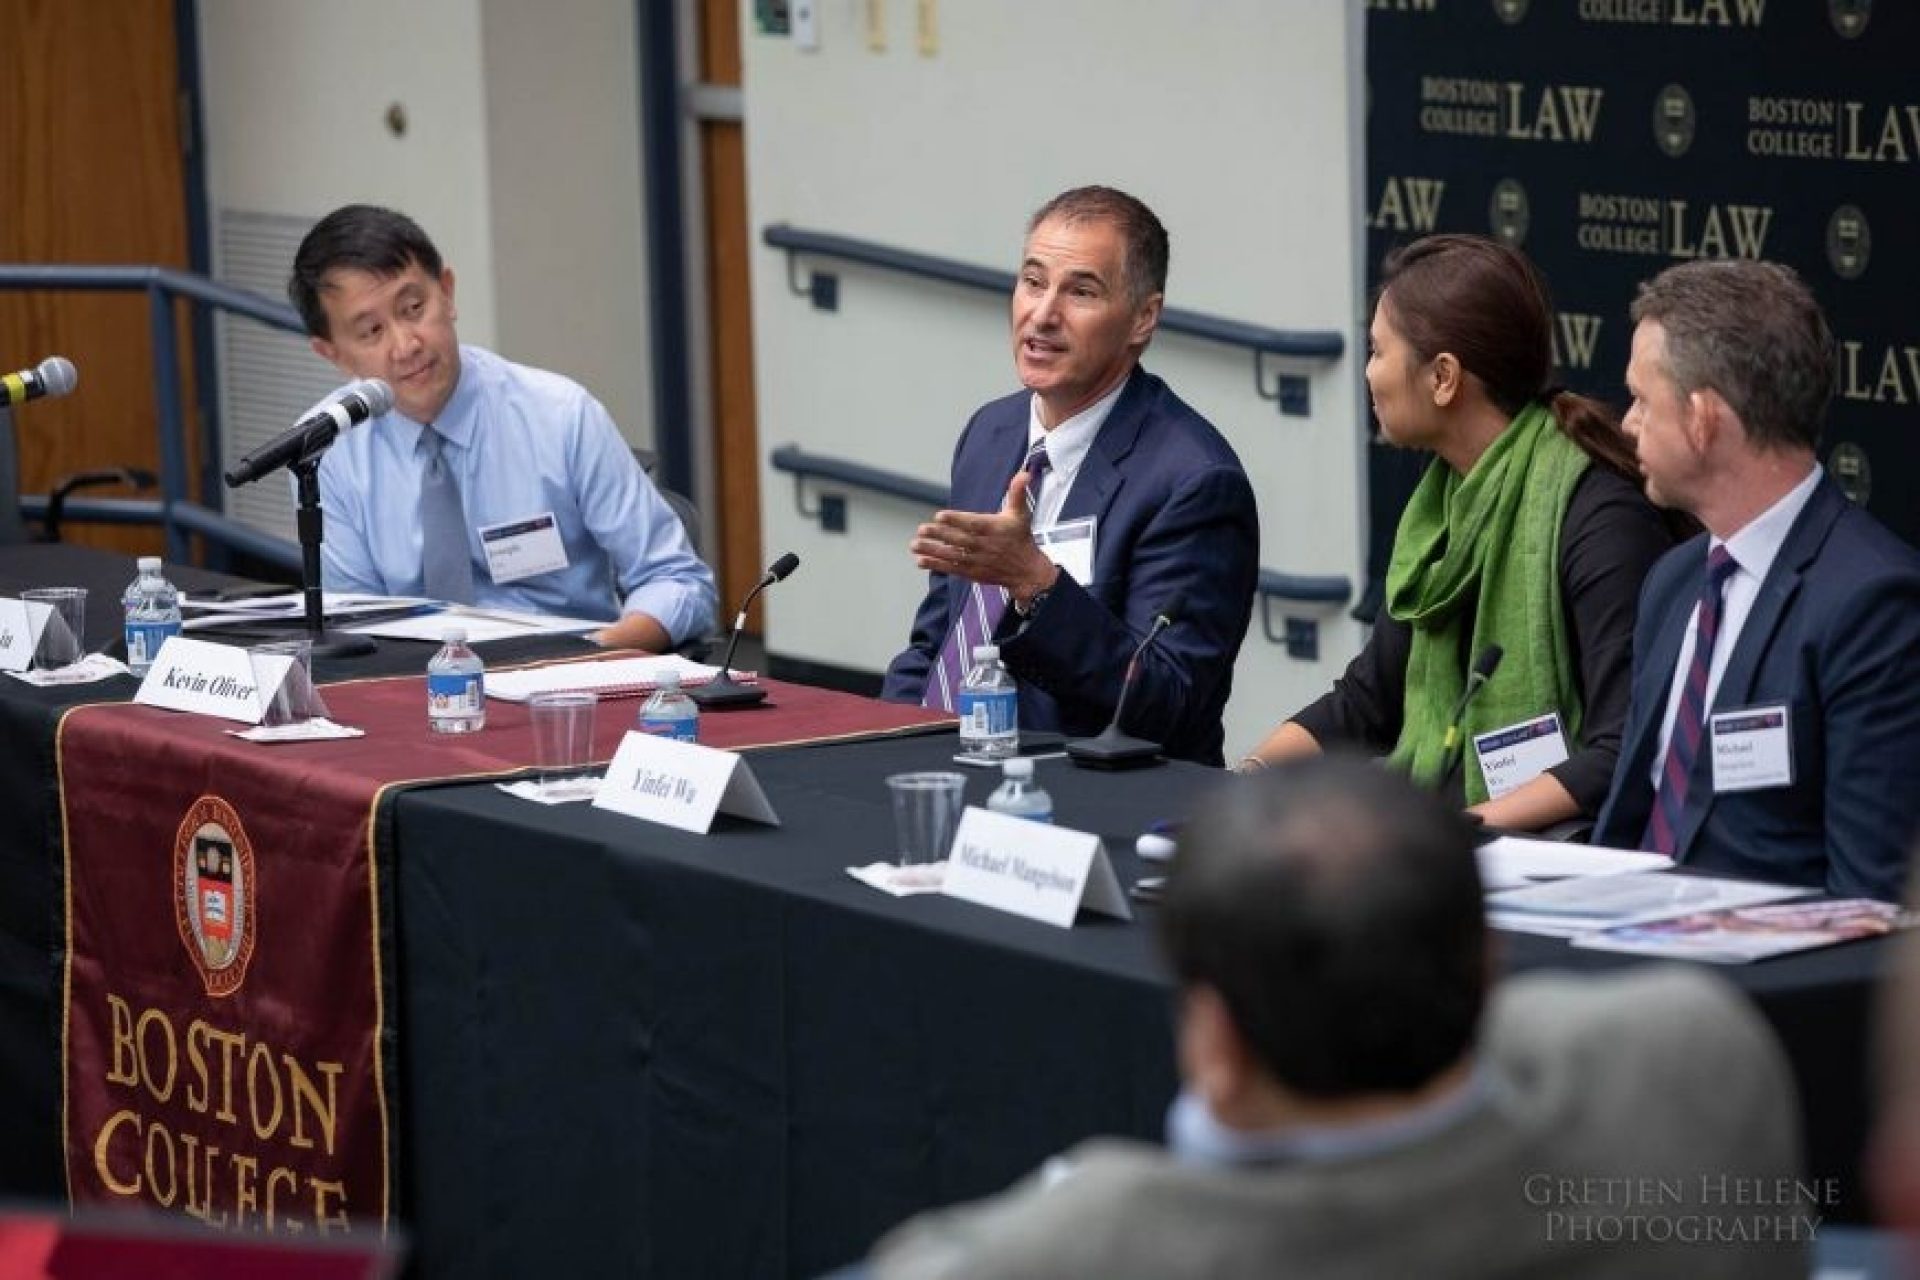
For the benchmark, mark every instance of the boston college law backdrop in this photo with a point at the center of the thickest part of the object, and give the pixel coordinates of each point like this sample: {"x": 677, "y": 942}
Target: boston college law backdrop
{"x": 1612, "y": 138}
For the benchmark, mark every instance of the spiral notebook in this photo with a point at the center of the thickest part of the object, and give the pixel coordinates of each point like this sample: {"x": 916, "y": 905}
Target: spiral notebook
{"x": 610, "y": 678}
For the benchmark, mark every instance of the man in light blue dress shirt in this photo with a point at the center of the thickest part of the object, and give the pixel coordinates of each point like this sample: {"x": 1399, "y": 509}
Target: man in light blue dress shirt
{"x": 559, "y": 517}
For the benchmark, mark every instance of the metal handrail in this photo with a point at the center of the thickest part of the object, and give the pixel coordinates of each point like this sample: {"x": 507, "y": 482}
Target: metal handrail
{"x": 174, "y": 511}
{"x": 1318, "y": 345}
{"x": 1296, "y": 588}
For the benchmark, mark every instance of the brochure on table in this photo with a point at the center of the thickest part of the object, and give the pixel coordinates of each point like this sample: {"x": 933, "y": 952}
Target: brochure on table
{"x": 1567, "y": 908}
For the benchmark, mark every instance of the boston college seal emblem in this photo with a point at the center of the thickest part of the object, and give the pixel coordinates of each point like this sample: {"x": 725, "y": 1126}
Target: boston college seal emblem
{"x": 213, "y": 900}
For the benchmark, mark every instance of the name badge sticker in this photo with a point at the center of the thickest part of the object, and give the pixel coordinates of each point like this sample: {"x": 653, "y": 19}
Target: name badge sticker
{"x": 1516, "y": 755}
{"x": 1752, "y": 749}
{"x": 526, "y": 548}
{"x": 1070, "y": 545}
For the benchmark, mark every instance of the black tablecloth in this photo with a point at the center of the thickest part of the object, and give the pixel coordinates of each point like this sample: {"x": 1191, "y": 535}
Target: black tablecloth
{"x": 632, "y": 1049}
{"x": 629, "y": 1049}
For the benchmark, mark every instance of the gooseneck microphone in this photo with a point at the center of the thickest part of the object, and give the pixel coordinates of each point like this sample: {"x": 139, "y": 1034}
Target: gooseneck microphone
{"x": 723, "y": 692}
{"x": 1452, "y": 747}
{"x": 55, "y": 377}
{"x": 348, "y": 407}
{"x": 1111, "y": 748}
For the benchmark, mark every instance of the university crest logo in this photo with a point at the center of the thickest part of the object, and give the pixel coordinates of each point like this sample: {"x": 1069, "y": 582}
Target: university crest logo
{"x": 214, "y": 893}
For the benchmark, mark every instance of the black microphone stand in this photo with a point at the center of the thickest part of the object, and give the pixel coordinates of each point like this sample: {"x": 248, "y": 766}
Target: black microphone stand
{"x": 723, "y": 692}
{"x": 1110, "y": 748}
{"x": 326, "y": 644}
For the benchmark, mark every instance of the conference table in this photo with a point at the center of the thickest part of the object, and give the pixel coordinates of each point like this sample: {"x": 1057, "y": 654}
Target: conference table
{"x": 626, "y": 1049}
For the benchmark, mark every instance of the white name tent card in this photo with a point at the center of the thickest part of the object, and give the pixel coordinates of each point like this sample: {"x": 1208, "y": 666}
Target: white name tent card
{"x": 21, "y": 622}
{"x": 1032, "y": 869}
{"x": 681, "y": 784}
{"x": 220, "y": 680}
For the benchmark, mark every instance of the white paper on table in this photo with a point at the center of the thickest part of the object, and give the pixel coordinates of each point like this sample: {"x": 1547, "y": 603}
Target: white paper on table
{"x": 208, "y": 613}
{"x": 899, "y": 881}
{"x": 1513, "y": 862}
{"x": 93, "y": 667}
{"x": 317, "y": 729}
{"x": 572, "y": 791}
{"x": 481, "y": 625}
{"x": 1565, "y": 908}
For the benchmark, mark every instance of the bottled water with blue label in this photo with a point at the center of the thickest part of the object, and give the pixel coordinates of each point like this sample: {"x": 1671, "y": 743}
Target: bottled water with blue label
{"x": 670, "y": 713}
{"x": 1020, "y": 796}
{"x": 456, "y": 686}
{"x": 989, "y": 708}
{"x": 153, "y": 614}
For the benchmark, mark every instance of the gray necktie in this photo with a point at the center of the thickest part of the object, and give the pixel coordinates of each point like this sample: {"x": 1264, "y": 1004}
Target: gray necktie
{"x": 446, "y": 568}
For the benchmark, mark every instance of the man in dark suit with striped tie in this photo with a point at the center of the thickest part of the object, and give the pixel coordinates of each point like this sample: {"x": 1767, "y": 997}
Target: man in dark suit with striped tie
{"x": 1134, "y": 498}
{"x": 1774, "y": 728}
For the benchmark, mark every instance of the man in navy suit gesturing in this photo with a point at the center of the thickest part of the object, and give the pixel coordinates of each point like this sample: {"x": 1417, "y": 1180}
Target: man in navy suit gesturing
{"x": 1774, "y": 729}
{"x": 1085, "y": 503}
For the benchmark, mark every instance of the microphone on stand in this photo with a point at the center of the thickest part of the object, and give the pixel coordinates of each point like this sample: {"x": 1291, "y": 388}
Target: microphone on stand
{"x": 55, "y": 376}
{"x": 348, "y": 407}
{"x": 724, "y": 693}
{"x": 1454, "y": 745}
{"x": 1110, "y": 748}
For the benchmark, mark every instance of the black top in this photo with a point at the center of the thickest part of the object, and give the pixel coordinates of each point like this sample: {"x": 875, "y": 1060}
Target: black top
{"x": 1609, "y": 539}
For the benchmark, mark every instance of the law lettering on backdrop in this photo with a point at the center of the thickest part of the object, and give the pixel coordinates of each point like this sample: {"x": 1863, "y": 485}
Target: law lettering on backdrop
{"x": 681, "y": 784}
{"x": 1031, "y": 869}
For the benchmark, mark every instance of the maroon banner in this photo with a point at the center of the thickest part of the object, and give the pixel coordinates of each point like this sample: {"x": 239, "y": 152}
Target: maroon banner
{"x": 225, "y": 1050}
{"x": 228, "y": 1045}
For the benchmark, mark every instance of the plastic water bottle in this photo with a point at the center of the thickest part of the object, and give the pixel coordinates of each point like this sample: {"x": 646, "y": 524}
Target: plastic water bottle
{"x": 153, "y": 613}
{"x": 1020, "y": 796}
{"x": 670, "y": 713}
{"x": 989, "y": 707}
{"x": 456, "y": 686}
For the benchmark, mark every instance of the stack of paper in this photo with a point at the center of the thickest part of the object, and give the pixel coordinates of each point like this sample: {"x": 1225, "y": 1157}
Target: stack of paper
{"x": 1567, "y": 908}
{"x": 610, "y": 677}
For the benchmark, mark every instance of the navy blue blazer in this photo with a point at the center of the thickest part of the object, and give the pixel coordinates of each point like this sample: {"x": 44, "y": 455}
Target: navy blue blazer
{"x": 1175, "y": 513}
{"x": 1835, "y": 635}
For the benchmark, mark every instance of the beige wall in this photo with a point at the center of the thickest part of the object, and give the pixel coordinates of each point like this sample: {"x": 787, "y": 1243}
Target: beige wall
{"x": 1236, "y": 120}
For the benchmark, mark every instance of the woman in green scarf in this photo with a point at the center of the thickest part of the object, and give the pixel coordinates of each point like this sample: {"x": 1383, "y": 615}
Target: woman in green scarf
{"x": 1528, "y": 534}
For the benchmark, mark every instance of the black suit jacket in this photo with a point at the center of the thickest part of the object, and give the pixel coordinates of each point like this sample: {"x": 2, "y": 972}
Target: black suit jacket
{"x": 1175, "y": 513}
{"x": 1835, "y": 635}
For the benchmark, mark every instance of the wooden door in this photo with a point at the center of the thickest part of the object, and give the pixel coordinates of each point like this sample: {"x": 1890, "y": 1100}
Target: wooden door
{"x": 91, "y": 125}
{"x": 736, "y": 451}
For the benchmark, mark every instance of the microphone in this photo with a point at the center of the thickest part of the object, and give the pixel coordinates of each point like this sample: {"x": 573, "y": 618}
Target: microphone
{"x": 348, "y": 407}
{"x": 1112, "y": 749}
{"x": 55, "y": 376}
{"x": 724, "y": 693}
{"x": 1452, "y": 747}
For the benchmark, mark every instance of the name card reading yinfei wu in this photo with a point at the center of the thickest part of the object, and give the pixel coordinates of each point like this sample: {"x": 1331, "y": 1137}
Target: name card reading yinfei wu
{"x": 1032, "y": 869}
{"x": 680, "y": 784}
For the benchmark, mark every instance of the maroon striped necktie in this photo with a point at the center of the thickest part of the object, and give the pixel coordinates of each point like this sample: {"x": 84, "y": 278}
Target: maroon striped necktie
{"x": 984, "y": 607}
{"x": 1683, "y": 746}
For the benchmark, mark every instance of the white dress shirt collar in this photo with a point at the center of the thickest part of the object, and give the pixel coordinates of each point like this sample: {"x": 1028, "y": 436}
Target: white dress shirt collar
{"x": 1067, "y": 447}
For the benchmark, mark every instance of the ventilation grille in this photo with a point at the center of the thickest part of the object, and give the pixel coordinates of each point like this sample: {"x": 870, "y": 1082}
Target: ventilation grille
{"x": 268, "y": 377}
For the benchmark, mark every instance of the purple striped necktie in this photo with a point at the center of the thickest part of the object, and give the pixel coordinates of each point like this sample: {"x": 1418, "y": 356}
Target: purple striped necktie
{"x": 981, "y": 612}
{"x": 1683, "y": 746}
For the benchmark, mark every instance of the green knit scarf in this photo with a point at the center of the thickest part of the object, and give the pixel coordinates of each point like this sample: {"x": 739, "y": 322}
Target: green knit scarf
{"x": 1482, "y": 552}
